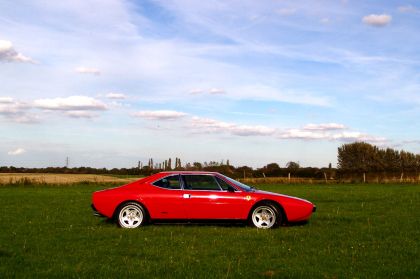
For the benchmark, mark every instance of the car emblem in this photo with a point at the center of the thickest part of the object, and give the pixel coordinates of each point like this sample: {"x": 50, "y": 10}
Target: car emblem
{"x": 248, "y": 198}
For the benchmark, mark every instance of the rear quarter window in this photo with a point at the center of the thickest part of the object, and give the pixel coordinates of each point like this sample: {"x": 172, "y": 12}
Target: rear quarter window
{"x": 168, "y": 182}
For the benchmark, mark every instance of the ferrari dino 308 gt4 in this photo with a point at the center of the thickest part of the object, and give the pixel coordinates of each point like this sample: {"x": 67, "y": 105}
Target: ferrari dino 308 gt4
{"x": 197, "y": 196}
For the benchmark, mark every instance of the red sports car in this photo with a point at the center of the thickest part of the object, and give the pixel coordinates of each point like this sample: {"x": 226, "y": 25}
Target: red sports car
{"x": 191, "y": 195}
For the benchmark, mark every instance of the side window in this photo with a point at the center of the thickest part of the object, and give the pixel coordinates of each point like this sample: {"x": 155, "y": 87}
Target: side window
{"x": 169, "y": 182}
{"x": 200, "y": 182}
{"x": 225, "y": 186}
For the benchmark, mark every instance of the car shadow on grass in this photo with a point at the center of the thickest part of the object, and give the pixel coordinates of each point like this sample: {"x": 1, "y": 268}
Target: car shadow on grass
{"x": 202, "y": 223}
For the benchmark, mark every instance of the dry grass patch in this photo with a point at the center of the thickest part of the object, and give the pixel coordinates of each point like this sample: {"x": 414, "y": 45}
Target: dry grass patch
{"x": 50, "y": 178}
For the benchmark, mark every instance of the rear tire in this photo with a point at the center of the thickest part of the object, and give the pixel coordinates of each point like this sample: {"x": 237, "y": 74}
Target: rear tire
{"x": 131, "y": 215}
{"x": 265, "y": 216}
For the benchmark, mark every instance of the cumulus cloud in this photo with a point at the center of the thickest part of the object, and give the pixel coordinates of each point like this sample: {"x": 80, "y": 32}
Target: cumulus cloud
{"x": 17, "y": 151}
{"x": 159, "y": 114}
{"x": 9, "y": 54}
{"x": 329, "y": 132}
{"x": 357, "y": 136}
{"x": 211, "y": 91}
{"x": 302, "y": 134}
{"x": 196, "y": 91}
{"x": 17, "y": 111}
{"x": 116, "y": 96}
{"x": 80, "y": 114}
{"x": 286, "y": 11}
{"x": 6, "y": 100}
{"x": 87, "y": 70}
{"x": 324, "y": 126}
{"x": 11, "y": 107}
{"x": 206, "y": 125}
{"x": 215, "y": 91}
{"x": 72, "y": 103}
{"x": 409, "y": 9}
{"x": 325, "y": 20}
{"x": 73, "y": 106}
{"x": 377, "y": 20}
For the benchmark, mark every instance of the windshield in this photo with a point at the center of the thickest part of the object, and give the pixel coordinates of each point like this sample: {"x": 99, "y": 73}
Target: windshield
{"x": 242, "y": 186}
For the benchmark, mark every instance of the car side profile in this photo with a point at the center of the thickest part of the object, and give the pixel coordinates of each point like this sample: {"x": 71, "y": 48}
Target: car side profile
{"x": 193, "y": 196}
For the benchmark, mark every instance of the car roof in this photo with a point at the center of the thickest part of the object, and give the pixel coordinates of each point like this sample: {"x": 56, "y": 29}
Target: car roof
{"x": 188, "y": 172}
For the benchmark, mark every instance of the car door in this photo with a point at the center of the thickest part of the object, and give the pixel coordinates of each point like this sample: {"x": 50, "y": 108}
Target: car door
{"x": 205, "y": 199}
{"x": 167, "y": 201}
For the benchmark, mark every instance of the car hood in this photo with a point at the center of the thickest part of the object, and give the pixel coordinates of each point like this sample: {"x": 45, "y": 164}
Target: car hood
{"x": 261, "y": 192}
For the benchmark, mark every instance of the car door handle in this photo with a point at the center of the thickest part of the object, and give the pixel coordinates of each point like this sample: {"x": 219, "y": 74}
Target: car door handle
{"x": 187, "y": 196}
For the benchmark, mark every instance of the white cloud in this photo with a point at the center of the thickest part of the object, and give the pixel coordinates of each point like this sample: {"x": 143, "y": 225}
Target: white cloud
{"x": 324, "y": 126}
{"x": 325, "y": 20}
{"x": 377, "y": 20}
{"x": 211, "y": 91}
{"x": 357, "y": 136}
{"x": 345, "y": 136}
{"x": 258, "y": 130}
{"x": 196, "y": 91}
{"x": 116, "y": 96}
{"x": 9, "y": 106}
{"x": 215, "y": 91}
{"x": 86, "y": 70}
{"x": 286, "y": 11}
{"x": 159, "y": 114}
{"x": 72, "y": 103}
{"x": 209, "y": 123}
{"x": 17, "y": 151}
{"x": 6, "y": 100}
{"x": 74, "y": 106}
{"x": 16, "y": 111}
{"x": 9, "y": 54}
{"x": 409, "y": 9}
{"x": 302, "y": 134}
{"x": 80, "y": 114}
{"x": 206, "y": 125}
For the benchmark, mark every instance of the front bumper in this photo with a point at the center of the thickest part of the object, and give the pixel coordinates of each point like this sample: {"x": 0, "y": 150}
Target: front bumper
{"x": 314, "y": 208}
{"x": 96, "y": 212}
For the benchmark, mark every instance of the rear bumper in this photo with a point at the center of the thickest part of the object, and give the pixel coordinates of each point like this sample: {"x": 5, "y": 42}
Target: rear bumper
{"x": 96, "y": 212}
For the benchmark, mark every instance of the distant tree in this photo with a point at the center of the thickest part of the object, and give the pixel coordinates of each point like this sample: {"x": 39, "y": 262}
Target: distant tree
{"x": 292, "y": 166}
{"x": 197, "y": 166}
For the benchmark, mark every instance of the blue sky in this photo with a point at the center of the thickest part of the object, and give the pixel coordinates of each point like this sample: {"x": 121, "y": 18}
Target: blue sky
{"x": 108, "y": 83}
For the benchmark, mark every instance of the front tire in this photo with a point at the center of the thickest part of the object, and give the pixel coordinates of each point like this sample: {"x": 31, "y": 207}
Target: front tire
{"x": 265, "y": 216}
{"x": 131, "y": 215}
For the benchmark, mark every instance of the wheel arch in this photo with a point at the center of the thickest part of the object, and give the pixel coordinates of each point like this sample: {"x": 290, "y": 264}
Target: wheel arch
{"x": 276, "y": 204}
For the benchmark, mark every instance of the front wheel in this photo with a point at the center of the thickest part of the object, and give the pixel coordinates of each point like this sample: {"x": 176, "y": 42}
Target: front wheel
{"x": 265, "y": 216}
{"x": 131, "y": 215}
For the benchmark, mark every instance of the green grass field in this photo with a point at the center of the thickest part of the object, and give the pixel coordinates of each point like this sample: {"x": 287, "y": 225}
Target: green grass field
{"x": 359, "y": 231}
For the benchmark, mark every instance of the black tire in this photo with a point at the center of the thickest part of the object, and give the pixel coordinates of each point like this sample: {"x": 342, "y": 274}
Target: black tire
{"x": 265, "y": 215}
{"x": 130, "y": 215}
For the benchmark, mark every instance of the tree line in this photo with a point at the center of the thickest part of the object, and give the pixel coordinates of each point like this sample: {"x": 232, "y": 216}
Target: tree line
{"x": 360, "y": 160}
{"x": 292, "y": 169}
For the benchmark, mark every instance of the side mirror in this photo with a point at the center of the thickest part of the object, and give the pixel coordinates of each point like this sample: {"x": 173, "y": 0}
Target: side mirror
{"x": 230, "y": 189}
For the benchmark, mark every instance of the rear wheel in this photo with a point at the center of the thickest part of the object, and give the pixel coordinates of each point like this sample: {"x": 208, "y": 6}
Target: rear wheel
{"x": 131, "y": 215}
{"x": 265, "y": 216}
